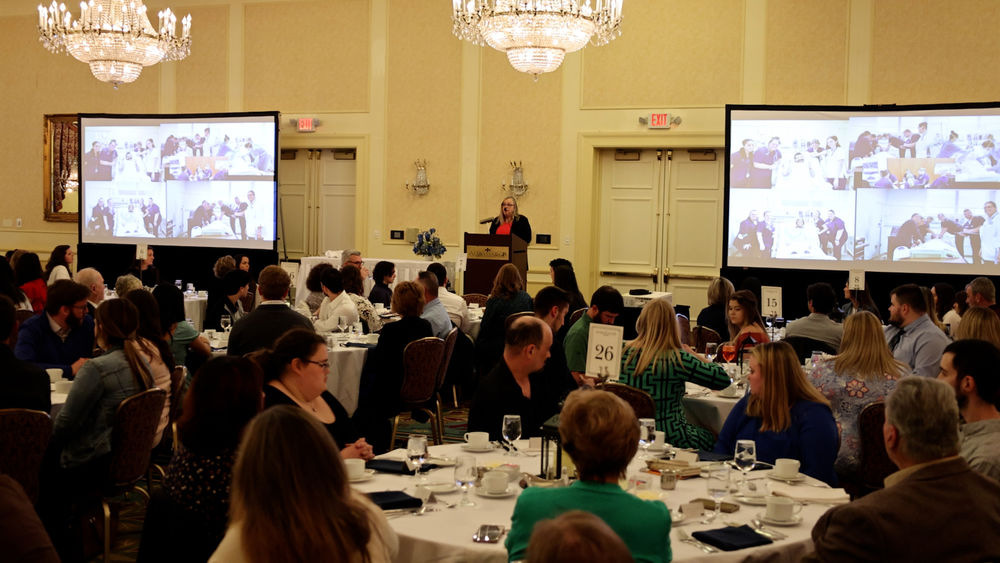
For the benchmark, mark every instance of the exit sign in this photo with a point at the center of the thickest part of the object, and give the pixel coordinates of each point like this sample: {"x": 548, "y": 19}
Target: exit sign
{"x": 306, "y": 125}
{"x": 659, "y": 121}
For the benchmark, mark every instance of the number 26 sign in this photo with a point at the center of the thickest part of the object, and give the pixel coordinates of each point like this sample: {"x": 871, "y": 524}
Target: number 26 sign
{"x": 604, "y": 351}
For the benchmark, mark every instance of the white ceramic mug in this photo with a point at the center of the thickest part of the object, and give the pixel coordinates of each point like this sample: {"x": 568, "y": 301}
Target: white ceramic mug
{"x": 55, "y": 374}
{"x": 63, "y": 386}
{"x": 787, "y": 468}
{"x": 495, "y": 482}
{"x": 659, "y": 440}
{"x": 782, "y": 509}
{"x": 355, "y": 468}
{"x": 379, "y": 307}
{"x": 477, "y": 439}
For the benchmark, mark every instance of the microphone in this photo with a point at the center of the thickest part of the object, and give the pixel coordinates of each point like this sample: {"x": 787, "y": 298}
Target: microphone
{"x": 486, "y": 220}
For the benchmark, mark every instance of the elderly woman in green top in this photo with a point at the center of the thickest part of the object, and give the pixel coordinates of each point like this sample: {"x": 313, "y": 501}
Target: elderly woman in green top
{"x": 659, "y": 364}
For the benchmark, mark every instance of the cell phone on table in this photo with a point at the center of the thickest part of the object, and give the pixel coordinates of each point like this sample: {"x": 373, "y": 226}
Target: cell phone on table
{"x": 488, "y": 533}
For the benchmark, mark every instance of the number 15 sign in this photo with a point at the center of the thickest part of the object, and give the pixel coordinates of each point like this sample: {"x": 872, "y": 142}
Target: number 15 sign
{"x": 604, "y": 351}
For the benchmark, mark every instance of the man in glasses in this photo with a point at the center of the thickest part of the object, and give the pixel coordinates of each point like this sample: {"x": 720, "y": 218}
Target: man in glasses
{"x": 353, "y": 257}
{"x": 62, "y": 336}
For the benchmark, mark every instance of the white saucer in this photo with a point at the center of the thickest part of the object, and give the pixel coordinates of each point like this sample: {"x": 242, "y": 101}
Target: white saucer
{"x": 736, "y": 395}
{"x": 369, "y": 474}
{"x": 441, "y": 488}
{"x": 676, "y": 517}
{"x": 660, "y": 449}
{"x": 798, "y": 477}
{"x": 483, "y": 493}
{"x": 477, "y": 449}
{"x": 752, "y": 501}
{"x": 796, "y": 519}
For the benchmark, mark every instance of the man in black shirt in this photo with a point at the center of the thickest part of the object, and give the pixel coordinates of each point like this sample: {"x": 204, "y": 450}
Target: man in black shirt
{"x": 971, "y": 229}
{"x": 551, "y": 305}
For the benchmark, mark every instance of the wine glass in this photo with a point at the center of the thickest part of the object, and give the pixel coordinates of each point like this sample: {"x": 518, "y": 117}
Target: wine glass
{"x": 745, "y": 457}
{"x": 647, "y": 433}
{"x": 717, "y": 486}
{"x": 710, "y": 349}
{"x": 511, "y": 430}
{"x": 342, "y": 323}
{"x": 225, "y": 321}
{"x": 729, "y": 353}
{"x": 465, "y": 476}
{"x": 416, "y": 451}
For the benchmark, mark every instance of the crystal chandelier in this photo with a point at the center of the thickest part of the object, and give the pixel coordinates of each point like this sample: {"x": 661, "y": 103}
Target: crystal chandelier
{"x": 537, "y": 34}
{"x": 114, "y": 37}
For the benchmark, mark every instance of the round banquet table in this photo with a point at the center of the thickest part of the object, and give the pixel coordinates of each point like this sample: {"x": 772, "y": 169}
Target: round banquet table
{"x": 446, "y": 533}
{"x": 194, "y": 309}
{"x": 707, "y": 408}
{"x": 344, "y": 379}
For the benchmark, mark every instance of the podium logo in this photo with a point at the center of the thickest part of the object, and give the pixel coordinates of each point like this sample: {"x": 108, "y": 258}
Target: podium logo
{"x": 489, "y": 253}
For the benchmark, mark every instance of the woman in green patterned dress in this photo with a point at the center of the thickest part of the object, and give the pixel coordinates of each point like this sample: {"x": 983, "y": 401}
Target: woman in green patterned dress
{"x": 659, "y": 364}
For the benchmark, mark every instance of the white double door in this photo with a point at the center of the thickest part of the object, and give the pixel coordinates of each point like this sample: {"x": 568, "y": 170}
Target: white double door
{"x": 317, "y": 195}
{"x": 661, "y": 221}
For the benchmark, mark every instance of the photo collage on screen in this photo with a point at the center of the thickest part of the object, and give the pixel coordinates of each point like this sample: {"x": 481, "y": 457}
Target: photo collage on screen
{"x": 875, "y": 188}
{"x": 195, "y": 181}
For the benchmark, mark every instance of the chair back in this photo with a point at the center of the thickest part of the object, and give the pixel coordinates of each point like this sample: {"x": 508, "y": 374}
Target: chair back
{"x": 20, "y": 315}
{"x": 421, "y": 364}
{"x": 701, "y": 336}
{"x": 449, "y": 348}
{"x": 804, "y": 347}
{"x": 479, "y": 298}
{"x": 641, "y": 401}
{"x": 176, "y": 392}
{"x": 684, "y": 328}
{"x": 574, "y": 316}
{"x": 875, "y": 464}
{"x": 132, "y": 436}
{"x": 24, "y": 435}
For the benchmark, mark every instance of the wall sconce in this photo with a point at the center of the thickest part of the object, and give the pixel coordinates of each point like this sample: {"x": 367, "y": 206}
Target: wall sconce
{"x": 420, "y": 185}
{"x": 517, "y": 187}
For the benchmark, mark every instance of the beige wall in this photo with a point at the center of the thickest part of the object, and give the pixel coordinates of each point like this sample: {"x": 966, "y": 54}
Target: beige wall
{"x": 388, "y": 77}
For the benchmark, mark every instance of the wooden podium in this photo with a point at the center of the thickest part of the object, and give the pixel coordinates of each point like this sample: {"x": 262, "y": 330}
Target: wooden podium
{"x": 487, "y": 254}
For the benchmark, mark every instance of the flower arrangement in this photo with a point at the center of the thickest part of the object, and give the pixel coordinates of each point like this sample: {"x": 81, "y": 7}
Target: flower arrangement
{"x": 429, "y": 244}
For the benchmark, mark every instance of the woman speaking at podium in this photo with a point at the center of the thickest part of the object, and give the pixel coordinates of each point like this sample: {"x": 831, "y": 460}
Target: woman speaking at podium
{"x": 509, "y": 222}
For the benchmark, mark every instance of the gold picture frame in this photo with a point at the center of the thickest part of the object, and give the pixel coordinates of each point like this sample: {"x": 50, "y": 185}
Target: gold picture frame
{"x": 60, "y": 168}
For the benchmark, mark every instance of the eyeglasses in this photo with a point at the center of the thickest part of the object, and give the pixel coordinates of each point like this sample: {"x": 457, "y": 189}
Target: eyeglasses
{"x": 324, "y": 364}
{"x": 355, "y": 263}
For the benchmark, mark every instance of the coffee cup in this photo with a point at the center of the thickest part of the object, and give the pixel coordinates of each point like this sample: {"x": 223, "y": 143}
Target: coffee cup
{"x": 379, "y": 307}
{"x": 782, "y": 509}
{"x": 659, "y": 440}
{"x": 512, "y": 470}
{"x": 355, "y": 468}
{"x": 786, "y": 468}
{"x": 63, "y": 386}
{"x": 495, "y": 482}
{"x": 55, "y": 374}
{"x": 473, "y": 305}
{"x": 477, "y": 439}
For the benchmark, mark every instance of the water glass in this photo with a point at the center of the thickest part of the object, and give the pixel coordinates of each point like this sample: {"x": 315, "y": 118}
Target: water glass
{"x": 416, "y": 452}
{"x": 710, "y": 349}
{"x": 511, "y": 429}
{"x": 225, "y": 321}
{"x": 717, "y": 486}
{"x": 647, "y": 433}
{"x": 465, "y": 475}
{"x": 745, "y": 457}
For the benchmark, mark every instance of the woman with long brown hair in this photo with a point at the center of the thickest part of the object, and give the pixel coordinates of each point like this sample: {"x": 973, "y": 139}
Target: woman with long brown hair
{"x": 60, "y": 261}
{"x": 744, "y": 319}
{"x": 784, "y": 414}
{"x": 291, "y": 499}
{"x": 507, "y": 298}
{"x": 863, "y": 372}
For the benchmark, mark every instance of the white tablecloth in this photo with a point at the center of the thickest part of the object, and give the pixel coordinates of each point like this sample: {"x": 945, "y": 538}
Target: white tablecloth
{"x": 344, "y": 379}
{"x": 406, "y": 270}
{"x": 194, "y": 309}
{"x": 446, "y": 535}
{"x": 707, "y": 408}
{"x": 475, "y": 320}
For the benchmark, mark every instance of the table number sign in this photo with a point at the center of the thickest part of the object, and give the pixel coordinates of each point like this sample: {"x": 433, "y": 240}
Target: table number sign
{"x": 856, "y": 280}
{"x": 770, "y": 297}
{"x": 604, "y": 346}
{"x": 140, "y": 251}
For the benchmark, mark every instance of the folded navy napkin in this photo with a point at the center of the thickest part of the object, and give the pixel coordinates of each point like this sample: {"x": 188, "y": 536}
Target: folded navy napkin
{"x": 396, "y": 466}
{"x": 392, "y": 500}
{"x": 731, "y": 538}
{"x": 705, "y": 455}
{"x": 360, "y": 345}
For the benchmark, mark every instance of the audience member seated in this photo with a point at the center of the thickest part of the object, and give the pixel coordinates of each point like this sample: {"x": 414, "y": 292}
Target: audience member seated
{"x": 858, "y": 300}
{"x": 929, "y": 307}
{"x": 551, "y": 305}
{"x": 506, "y": 298}
{"x": 605, "y": 306}
{"x": 22, "y": 536}
{"x": 235, "y": 286}
{"x": 600, "y": 433}
{"x": 862, "y": 373}
{"x": 354, "y": 286}
{"x": 659, "y": 364}
{"x": 746, "y": 327}
{"x": 182, "y": 337}
{"x": 272, "y": 318}
{"x": 944, "y": 305}
{"x": 145, "y": 271}
{"x": 314, "y": 283}
{"x": 969, "y": 366}
{"x": 457, "y": 308}
{"x": 94, "y": 281}
{"x": 23, "y": 385}
{"x": 353, "y": 257}
{"x": 576, "y": 537}
{"x": 564, "y": 278}
{"x": 250, "y": 299}
{"x": 63, "y": 337}
{"x": 9, "y": 288}
{"x": 516, "y": 385}
{"x": 125, "y": 284}
{"x": 935, "y": 508}
{"x": 912, "y": 336}
{"x": 223, "y": 265}
{"x": 982, "y": 293}
{"x": 337, "y": 309}
{"x": 28, "y": 275}
{"x": 716, "y": 315}
{"x": 818, "y": 326}
{"x": 979, "y": 323}
{"x": 295, "y": 371}
{"x": 288, "y": 465}
{"x": 379, "y": 398}
{"x": 384, "y": 275}
{"x": 434, "y": 311}
{"x": 155, "y": 350}
{"x": 784, "y": 414}
{"x": 222, "y": 400}
{"x": 60, "y": 261}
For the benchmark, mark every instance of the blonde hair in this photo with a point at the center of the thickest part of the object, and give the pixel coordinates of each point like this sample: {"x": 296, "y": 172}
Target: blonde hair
{"x": 657, "y": 338}
{"x": 514, "y": 216}
{"x": 979, "y": 323}
{"x": 784, "y": 383}
{"x": 719, "y": 291}
{"x": 407, "y": 299}
{"x": 864, "y": 353}
{"x": 930, "y": 308}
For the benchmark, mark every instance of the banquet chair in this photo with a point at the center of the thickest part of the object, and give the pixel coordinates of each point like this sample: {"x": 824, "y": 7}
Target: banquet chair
{"x": 701, "y": 336}
{"x": 20, "y": 315}
{"x": 24, "y": 435}
{"x": 168, "y": 441}
{"x": 421, "y": 362}
{"x": 684, "y": 328}
{"x": 449, "y": 349}
{"x": 640, "y": 401}
{"x": 875, "y": 464}
{"x": 131, "y": 446}
{"x": 804, "y": 347}
{"x": 573, "y": 317}
{"x": 479, "y": 298}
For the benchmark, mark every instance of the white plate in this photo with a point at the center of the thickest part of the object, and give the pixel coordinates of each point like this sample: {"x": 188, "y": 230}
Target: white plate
{"x": 676, "y": 517}
{"x": 477, "y": 449}
{"x": 660, "y": 449}
{"x": 796, "y": 519}
{"x": 752, "y": 501}
{"x": 369, "y": 474}
{"x": 798, "y": 477}
{"x": 483, "y": 493}
{"x": 736, "y": 395}
{"x": 441, "y": 488}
